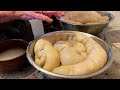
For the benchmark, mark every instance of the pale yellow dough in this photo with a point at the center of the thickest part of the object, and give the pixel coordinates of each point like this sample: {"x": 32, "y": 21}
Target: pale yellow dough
{"x": 45, "y": 55}
{"x": 85, "y": 17}
{"x": 70, "y": 52}
{"x": 77, "y": 53}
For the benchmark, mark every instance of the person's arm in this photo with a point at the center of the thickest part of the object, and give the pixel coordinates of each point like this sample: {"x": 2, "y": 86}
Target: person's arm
{"x": 6, "y": 16}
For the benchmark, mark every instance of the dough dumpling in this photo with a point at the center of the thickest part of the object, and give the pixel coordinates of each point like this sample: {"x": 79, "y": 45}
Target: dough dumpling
{"x": 40, "y": 45}
{"x": 45, "y": 55}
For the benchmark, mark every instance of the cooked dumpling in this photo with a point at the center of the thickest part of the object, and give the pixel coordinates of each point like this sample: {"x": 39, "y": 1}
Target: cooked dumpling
{"x": 45, "y": 55}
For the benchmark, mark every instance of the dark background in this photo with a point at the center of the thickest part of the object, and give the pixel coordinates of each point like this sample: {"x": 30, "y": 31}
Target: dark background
{"x": 101, "y": 5}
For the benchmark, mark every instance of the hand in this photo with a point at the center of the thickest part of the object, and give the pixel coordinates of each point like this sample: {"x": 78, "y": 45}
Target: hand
{"x": 6, "y": 16}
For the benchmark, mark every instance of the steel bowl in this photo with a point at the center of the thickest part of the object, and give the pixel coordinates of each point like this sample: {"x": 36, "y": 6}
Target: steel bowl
{"x": 94, "y": 29}
{"x": 30, "y": 56}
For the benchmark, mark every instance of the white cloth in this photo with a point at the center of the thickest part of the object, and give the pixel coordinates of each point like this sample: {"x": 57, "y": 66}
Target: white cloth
{"x": 37, "y": 27}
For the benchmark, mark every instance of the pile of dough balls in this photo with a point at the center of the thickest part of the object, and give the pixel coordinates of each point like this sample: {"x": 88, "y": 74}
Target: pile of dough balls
{"x": 69, "y": 54}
